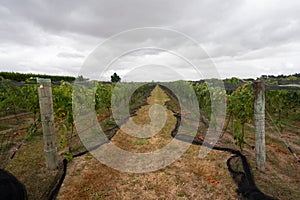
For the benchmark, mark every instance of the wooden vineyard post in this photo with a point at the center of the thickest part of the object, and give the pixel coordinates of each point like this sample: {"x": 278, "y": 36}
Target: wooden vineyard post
{"x": 259, "y": 115}
{"x": 47, "y": 118}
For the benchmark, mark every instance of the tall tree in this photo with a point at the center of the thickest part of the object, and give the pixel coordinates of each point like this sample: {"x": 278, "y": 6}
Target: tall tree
{"x": 115, "y": 78}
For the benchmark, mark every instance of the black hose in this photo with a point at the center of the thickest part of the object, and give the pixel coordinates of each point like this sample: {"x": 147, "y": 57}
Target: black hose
{"x": 245, "y": 181}
{"x": 52, "y": 193}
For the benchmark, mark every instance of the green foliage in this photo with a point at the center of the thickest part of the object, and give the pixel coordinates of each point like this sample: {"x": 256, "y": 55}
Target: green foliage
{"x": 233, "y": 80}
{"x": 203, "y": 97}
{"x": 282, "y": 102}
{"x": 103, "y": 96}
{"x": 211, "y": 98}
{"x": 68, "y": 156}
{"x": 282, "y": 79}
{"x": 241, "y": 105}
{"x": 62, "y": 104}
{"x": 10, "y": 100}
{"x": 16, "y": 99}
{"x": 239, "y": 135}
{"x": 30, "y": 98}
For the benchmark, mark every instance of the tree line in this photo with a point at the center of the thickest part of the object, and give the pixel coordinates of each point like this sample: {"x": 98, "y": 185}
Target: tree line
{"x": 20, "y": 77}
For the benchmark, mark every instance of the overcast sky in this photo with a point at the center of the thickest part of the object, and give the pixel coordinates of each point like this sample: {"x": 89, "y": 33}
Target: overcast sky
{"x": 243, "y": 38}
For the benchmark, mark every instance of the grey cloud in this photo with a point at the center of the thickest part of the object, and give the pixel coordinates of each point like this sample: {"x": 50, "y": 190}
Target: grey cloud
{"x": 234, "y": 32}
{"x": 99, "y": 18}
{"x": 69, "y": 55}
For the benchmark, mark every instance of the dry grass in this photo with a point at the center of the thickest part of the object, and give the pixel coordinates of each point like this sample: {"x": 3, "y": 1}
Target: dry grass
{"x": 29, "y": 167}
{"x": 28, "y": 164}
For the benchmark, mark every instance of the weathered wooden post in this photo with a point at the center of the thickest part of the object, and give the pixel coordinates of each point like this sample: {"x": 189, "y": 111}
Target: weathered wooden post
{"x": 47, "y": 118}
{"x": 259, "y": 114}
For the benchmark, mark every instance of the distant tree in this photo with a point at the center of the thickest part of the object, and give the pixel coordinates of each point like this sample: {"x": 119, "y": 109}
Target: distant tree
{"x": 115, "y": 78}
{"x": 297, "y": 75}
{"x": 81, "y": 78}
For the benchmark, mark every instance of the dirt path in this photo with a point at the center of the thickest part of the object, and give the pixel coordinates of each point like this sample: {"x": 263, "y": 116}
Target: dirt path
{"x": 187, "y": 178}
{"x": 161, "y": 138}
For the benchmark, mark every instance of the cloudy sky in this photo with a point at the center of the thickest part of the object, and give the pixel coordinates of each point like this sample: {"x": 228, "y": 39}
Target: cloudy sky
{"x": 244, "y": 38}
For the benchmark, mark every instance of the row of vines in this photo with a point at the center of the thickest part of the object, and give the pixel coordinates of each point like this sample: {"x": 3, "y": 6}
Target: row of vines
{"x": 15, "y": 99}
{"x": 281, "y": 104}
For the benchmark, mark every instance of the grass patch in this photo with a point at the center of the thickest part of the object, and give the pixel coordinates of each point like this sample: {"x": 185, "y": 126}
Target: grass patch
{"x": 29, "y": 167}
{"x": 297, "y": 142}
{"x": 139, "y": 142}
{"x": 182, "y": 194}
{"x": 4, "y": 127}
